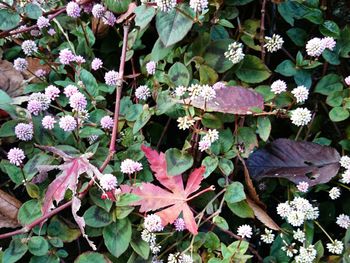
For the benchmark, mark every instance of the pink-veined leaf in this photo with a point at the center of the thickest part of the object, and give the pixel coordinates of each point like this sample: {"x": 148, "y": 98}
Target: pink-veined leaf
{"x": 170, "y": 203}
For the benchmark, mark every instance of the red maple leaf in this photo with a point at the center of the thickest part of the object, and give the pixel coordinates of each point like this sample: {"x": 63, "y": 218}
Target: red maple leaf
{"x": 172, "y": 200}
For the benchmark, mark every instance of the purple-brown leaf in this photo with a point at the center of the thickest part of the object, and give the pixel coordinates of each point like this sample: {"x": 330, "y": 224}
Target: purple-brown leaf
{"x": 232, "y": 99}
{"x": 295, "y": 161}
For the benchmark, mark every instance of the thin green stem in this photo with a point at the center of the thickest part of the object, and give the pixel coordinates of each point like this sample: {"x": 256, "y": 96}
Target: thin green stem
{"x": 324, "y": 231}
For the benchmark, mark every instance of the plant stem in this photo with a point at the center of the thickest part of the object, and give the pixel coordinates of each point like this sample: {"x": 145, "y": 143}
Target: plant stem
{"x": 262, "y": 30}
{"x": 324, "y": 231}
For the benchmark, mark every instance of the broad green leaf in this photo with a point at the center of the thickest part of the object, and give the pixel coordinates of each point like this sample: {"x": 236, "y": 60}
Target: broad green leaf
{"x": 338, "y": 114}
{"x": 212, "y": 241}
{"x": 7, "y": 129}
{"x": 140, "y": 247}
{"x": 117, "y": 6}
{"x": 45, "y": 259}
{"x": 58, "y": 228}
{"x": 29, "y": 211}
{"x": 172, "y": 27}
{"x": 88, "y": 131}
{"x": 91, "y": 257}
{"x": 89, "y": 82}
{"x": 179, "y": 74}
{"x": 253, "y": 70}
{"x": 241, "y": 209}
{"x": 298, "y": 36}
{"x": 264, "y": 128}
{"x": 97, "y": 217}
{"x": 144, "y": 15}
{"x": 31, "y": 167}
{"x": 15, "y": 251}
{"x": 214, "y": 55}
{"x": 286, "y": 68}
{"x": 210, "y": 164}
{"x": 234, "y": 193}
{"x": 33, "y": 11}
{"x": 142, "y": 120}
{"x": 8, "y": 19}
{"x": 329, "y": 84}
{"x": 159, "y": 51}
{"x": 330, "y": 28}
{"x": 95, "y": 195}
{"x": 224, "y": 143}
{"x": 117, "y": 237}
{"x": 177, "y": 161}
{"x": 225, "y": 166}
{"x": 126, "y": 199}
{"x": 221, "y": 222}
{"x": 12, "y": 171}
{"x": 207, "y": 75}
{"x": 38, "y": 246}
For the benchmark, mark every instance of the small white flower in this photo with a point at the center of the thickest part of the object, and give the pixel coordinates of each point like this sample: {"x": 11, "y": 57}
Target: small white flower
{"x": 142, "y": 92}
{"x": 303, "y": 187}
{"x": 108, "y": 182}
{"x": 278, "y": 86}
{"x": 334, "y": 193}
{"x": 306, "y": 254}
{"x": 343, "y": 221}
{"x": 235, "y": 52}
{"x": 129, "y": 166}
{"x": 212, "y": 135}
{"x": 199, "y": 5}
{"x": 29, "y": 47}
{"x": 185, "y": 122}
{"x": 301, "y": 116}
{"x": 194, "y": 91}
{"x": 204, "y": 145}
{"x": 345, "y": 177}
{"x": 289, "y": 249}
{"x": 153, "y": 223}
{"x": 283, "y": 209}
{"x": 273, "y": 43}
{"x": 207, "y": 93}
{"x": 301, "y": 93}
{"x": 345, "y": 162}
{"x": 347, "y": 80}
{"x": 296, "y": 218}
{"x": 299, "y": 235}
{"x": 315, "y": 47}
{"x": 336, "y": 247}
{"x": 245, "y": 231}
{"x": 166, "y": 5}
{"x": 180, "y": 91}
{"x": 268, "y": 237}
{"x": 329, "y": 43}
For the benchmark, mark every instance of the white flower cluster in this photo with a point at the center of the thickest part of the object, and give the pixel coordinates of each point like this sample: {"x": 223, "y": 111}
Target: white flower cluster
{"x": 208, "y": 139}
{"x": 205, "y": 92}
{"x": 199, "y": 5}
{"x": 278, "y": 86}
{"x": 152, "y": 223}
{"x": 336, "y": 247}
{"x": 343, "y": 221}
{"x": 273, "y": 43}
{"x": 297, "y": 211}
{"x": 235, "y": 52}
{"x": 268, "y": 237}
{"x": 301, "y": 116}
{"x": 306, "y": 254}
{"x": 245, "y": 231}
{"x": 316, "y": 46}
{"x": 334, "y": 193}
{"x": 345, "y": 163}
{"x": 299, "y": 235}
{"x": 166, "y": 5}
{"x": 179, "y": 258}
{"x": 185, "y": 122}
{"x": 301, "y": 93}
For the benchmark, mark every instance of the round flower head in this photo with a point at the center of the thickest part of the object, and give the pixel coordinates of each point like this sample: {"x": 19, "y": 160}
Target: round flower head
{"x": 299, "y": 235}
{"x": 66, "y": 56}
{"x": 98, "y": 10}
{"x": 245, "y": 231}
{"x": 180, "y": 91}
{"x": 42, "y": 22}
{"x": 79, "y": 59}
{"x": 24, "y": 131}
{"x": 78, "y": 101}
{"x": 235, "y": 52}
{"x": 153, "y": 223}
{"x": 48, "y": 122}
{"x": 204, "y": 145}
{"x": 20, "y": 64}
{"x": 303, "y": 187}
{"x": 336, "y": 247}
{"x": 40, "y": 73}
{"x": 301, "y": 93}
{"x": 70, "y": 90}
{"x": 278, "y": 86}
{"x": 166, "y": 5}
{"x": 219, "y": 85}
{"x": 179, "y": 224}
{"x": 29, "y": 47}
{"x": 51, "y": 31}
{"x": 96, "y": 64}
{"x": 129, "y": 166}
{"x": 345, "y": 162}
{"x": 38, "y": 102}
{"x": 142, "y": 92}
{"x": 273, "y": 43}
{"x": 109, "y": 18}
{"x": 334, "y": 193}
{"x": 52, "y": 92}
{"x": 207, "y": 92}
{"x": 306, "y": 254}
{"x": 212, "y": 135}
{"x": 112, "y": 78}
{"x": 185, "y": 122}
{"x": 343, "y": 221}
{"x": 16, "y": 156}
{"x": 107, "y": 122}
{"x": 315, "y": 47}
{"x": 34, "y": 107}
{"x": 73, "y": 9}
{"x": 67, "y": 123}
{"x": 345, "y": 178}
{"x": 268, "y": 237}
{"x": 151, "y": 67}
{"x": 199, "y": 5}
{"x": 347, "y": 80}
{"x": 301, "y": 116}
{"x": 108, "y": 182}
{"x": 329, "y": 43}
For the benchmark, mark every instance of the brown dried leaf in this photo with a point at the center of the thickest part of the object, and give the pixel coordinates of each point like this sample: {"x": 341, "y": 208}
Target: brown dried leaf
{"x": 10, "y": 79}
{"x": 99, "y": 28}
{"x": 130, "y": 11}
{"x": 33, "y": 66}
{"x": 8, "y": 210}
{"x": 262, "y": 215}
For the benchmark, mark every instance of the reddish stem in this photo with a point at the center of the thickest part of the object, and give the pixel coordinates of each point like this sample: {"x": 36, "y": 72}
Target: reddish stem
{"x": 210, "y": 188}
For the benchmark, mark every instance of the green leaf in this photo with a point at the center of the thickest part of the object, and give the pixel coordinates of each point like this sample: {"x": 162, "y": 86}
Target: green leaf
{"x": 45, "y": 259}
{"x": 8, "y": 19}
{"x": 226, "y": 166}
{"x": 140, "y": 247}
{"x": 212, "y": 241}
{"x": 58, "y": 228}
{"x": 247, "y": 137}
{"x": 117, "y": 6}
{"x": 212, "y": 120}
{"x": 330, "y": 29}
{"x": 126, "y": 199}
{"x": 329, "y": 84}
{"x": 33, "y": 11}
{"x": 214, "y": 55}
{"x": 38, "y": 246}
{"x": 253, "y": 70}
{"x": 172, "y": 27}
{"x": 95, "y": 195}
{"x": 31, "y": 167}
{"x": 15, "y": 251}
{"x": 207, "y": 75}
{"x": 90, "y": 257}
{"x": 224, "y": 143}
{"x": 117, "y": 237}
{"x": 97, "y": 217}
{"x": 177, "y": 161}
{"x": 89, "y": 82}
{"x": 13, "y": 171}
{"x": 142, "y": 120}
{"x": 286, "y": 68}
{"x": 234, "y": 193}
{"x": 7, "y": 129}
{"x": 344, "y": 42}
{"x": 144, "y": 15}
{"x": 210, "y": 163}
{"x": 335, "y": 99}
{"x": 298, "y": 36}
{"x": 338, "y": 114}
{"x": 221, "y": 222}
{"x": 159, "y": 51}
{"x": 264, "y": 128}
{"x": 29, "y": 211}
{"x": 179, "y": 74}
{"x": 241, "y": 209}
{"x": 88, "y": 131}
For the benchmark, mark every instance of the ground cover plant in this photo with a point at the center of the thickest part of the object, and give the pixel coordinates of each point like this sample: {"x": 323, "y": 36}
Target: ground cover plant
{"x": 174, "y": 131}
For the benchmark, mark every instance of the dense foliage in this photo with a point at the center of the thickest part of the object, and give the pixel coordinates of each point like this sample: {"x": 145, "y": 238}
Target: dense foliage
{"x": 174, "y": 131}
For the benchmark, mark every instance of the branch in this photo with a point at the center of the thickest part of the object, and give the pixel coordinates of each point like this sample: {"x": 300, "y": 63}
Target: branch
{"x": 262, "y": 30}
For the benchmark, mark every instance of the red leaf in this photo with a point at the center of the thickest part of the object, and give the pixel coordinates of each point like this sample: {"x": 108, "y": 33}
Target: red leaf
{"x": 172, "y": 202}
